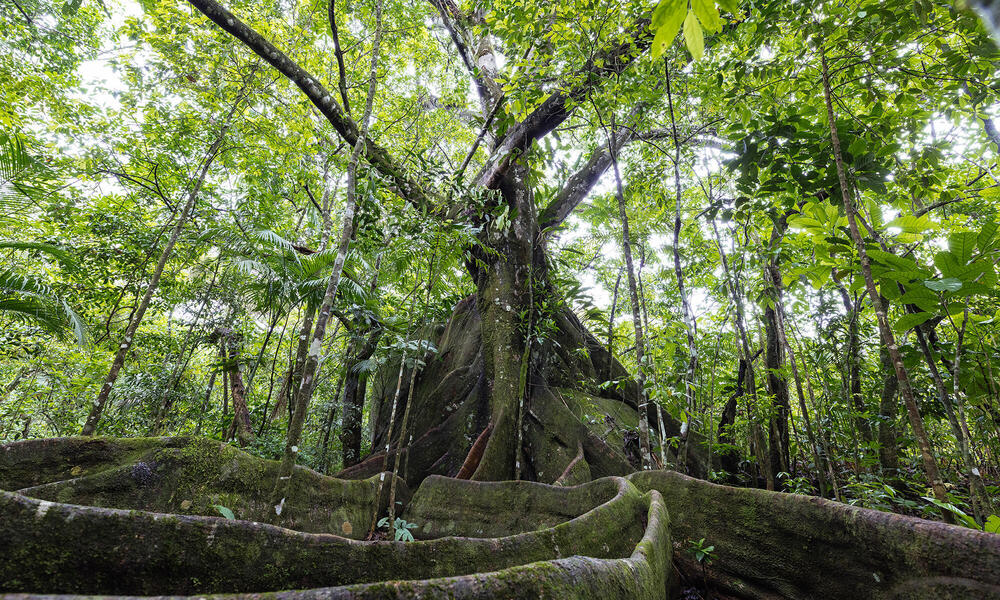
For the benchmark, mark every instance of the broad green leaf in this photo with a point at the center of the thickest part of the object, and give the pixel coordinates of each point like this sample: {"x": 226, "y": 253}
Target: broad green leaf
{"x": 921, "y": 297}
{"x": 819, "y": 276}
{"x": 889, "y": 289}
{"x": 707, "y": 14}
{"x": 801, "y": 222}
{"x": 948, "y": 284}
{"x": 947, "y": 263}
{"x": 897, "y": 263}
{"x": 992, "y": 524}
{"x": 962, "y": 244}
{"x": 963, "y": 517}
{"x": 730, "y": 6}
{"x": 693, "y": 37}
{"x": 974, "y": 288}
{"x": 979, "y": 271}
{"x": 984, "y": 241}
{"x": 904, "y": 276}
{"x": 225, "y": 512}
{"x": 667, "y": 20}
{"x": 910, "y": 320}
{"x": 911, "y": 224}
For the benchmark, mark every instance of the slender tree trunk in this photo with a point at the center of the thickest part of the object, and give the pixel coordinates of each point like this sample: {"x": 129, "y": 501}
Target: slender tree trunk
{"x": 240, "y": 428}
{"x": 356, "y": 383}
{"x": 206, "y": 404}
{"x": 263, "y": 348}
{"x": 355, "y": 390}
{"x": 10, "y": 387}
{"x": 781, "y": 316}
{"x": 981, "y": 504}
{"x": 270, "y": 386}
{"x": 690, "y": 324}
{"x": 888, "y": 338}
{"x": 328, "y": 425}
{"x": 728, "y": 454}
{"x": 777, "y": 383}
{"x": 660, "y": 419}
{"x": 611, "y": 322}
{"x": 853, "y": 358}
{"x": 392, "y": 422}
{"x": 824, "y": 442}
{"x": 311, "y": 367}
{"x": 97, "y": 410}
{"x": 640, "y": 343}
{"x": 294, "y": 378}
{"x": 402, "y": 445}
{"x": 748, "y": 379}
{"x": 183, "y": 358}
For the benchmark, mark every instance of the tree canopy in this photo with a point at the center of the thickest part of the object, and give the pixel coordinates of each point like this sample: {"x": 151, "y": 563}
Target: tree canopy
{"x": 767, "y": 231}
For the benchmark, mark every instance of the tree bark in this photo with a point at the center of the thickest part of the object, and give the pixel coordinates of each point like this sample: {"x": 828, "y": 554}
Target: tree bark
{"x": 640, "y": 342}
{"x": 97, "y": 410}
{"x": 311, "y": 367}
{"x": 888, "y": 338}
{"x": 774, "y": 357}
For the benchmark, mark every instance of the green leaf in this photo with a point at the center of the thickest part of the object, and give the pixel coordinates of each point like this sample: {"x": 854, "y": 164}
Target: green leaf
{"x": 984, "y": 241}
{"x": 730, "y": 6}
{"x": 948, "y": 284}
{"x": 948, "y": 263}
{"x": 922, "y": 298}
{"x": 707, "y": 14}
{"x": 910, "y": 320}
{"x": 889, "y": 289}
{"x": 693, "y": 37}
{"x": 992, "y": 524}
{"x": 225, "y": 512}
{"x": 963, "y": 517}
{"x": 904, "y": 276}
{"x": 667, "y": 19}
{"x": 962, "y": 244}
{"x": 911, "y": 224}
{"x": 896, "y": 263}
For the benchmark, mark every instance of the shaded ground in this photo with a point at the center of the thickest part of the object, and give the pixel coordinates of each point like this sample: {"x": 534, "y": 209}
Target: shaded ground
{"x": 138, "y": 518}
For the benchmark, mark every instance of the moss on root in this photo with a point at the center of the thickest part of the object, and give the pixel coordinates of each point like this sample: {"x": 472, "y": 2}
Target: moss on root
{"x": 774, "y": 545}
{"x": 188, "y": 476}
{"x": 606, "y": 539}
{"x": 53, "y": 547}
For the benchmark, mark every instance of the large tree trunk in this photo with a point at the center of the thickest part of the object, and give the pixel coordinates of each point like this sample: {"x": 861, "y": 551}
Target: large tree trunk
{"x": 505, "y": 304}
{"x": 569, "y": 409}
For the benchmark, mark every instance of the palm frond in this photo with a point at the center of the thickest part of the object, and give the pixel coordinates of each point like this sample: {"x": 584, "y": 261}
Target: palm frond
{"x": 24, "y": 179}
{"x": 267, "y": 236}
{"x": 56, "y": 252}
{"x": 27, "y": 298}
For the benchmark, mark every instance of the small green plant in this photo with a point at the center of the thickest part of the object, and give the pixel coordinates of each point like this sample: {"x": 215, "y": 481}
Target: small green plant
{"x": 225, "y": 512}
{"x": 701, "y": 552}
{"x": 704, "y": 555}
{"x": 992, "y": 524}
{"x": 400, "y": 527}
{"x": 797, "y": 485}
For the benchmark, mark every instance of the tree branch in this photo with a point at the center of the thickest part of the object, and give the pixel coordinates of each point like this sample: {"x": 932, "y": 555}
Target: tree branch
{"x": 557, "y": 107}
{"x": 463, "y": 51}
{"x": 339, "y": 53}
{"x": 579, "y": 184}
{"x": 377, "y": 156}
